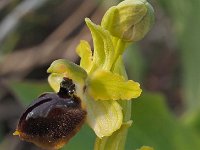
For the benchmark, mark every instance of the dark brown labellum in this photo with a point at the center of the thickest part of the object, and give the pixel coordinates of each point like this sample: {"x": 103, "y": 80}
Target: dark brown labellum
{"x": 52, "y": 119}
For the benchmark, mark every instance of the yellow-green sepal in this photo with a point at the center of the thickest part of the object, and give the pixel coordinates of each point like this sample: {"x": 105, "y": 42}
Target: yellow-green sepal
{"x": 85, "y": 52}
{"x": 104, "y": 117}
{"x": 105, "y": 85}
{"x": 68, "y": 69}
{"x": 103, "y": 47}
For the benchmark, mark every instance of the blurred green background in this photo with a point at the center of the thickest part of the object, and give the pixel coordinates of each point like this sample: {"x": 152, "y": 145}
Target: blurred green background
{"x": 166, "y": 62}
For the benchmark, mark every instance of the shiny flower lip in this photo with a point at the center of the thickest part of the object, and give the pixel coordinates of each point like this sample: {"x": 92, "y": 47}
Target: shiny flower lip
{"x": 52, "y": 119}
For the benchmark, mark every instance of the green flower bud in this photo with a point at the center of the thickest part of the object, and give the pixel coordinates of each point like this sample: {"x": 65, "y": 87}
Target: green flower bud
{"x": 130, "y": 20}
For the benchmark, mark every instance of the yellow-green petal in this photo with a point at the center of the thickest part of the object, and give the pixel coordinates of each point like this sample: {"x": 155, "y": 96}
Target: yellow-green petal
{"x": 69, "y": 69}
{"x": 104, "y": 117}
{"x": 84, "y": 51}
{"x": 105, "y": 85}
{"x": 54, "y": 80}
{"x": 103, "y": 47}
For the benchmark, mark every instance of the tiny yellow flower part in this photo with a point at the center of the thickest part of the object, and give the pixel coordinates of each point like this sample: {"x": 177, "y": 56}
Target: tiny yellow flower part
{"x": 16, "y": 133}
{"x": 146, "y": 148}
{"x": 85, "y": 52}
{"x": 130, "y": 20}
{"x": 113, "y": 87}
